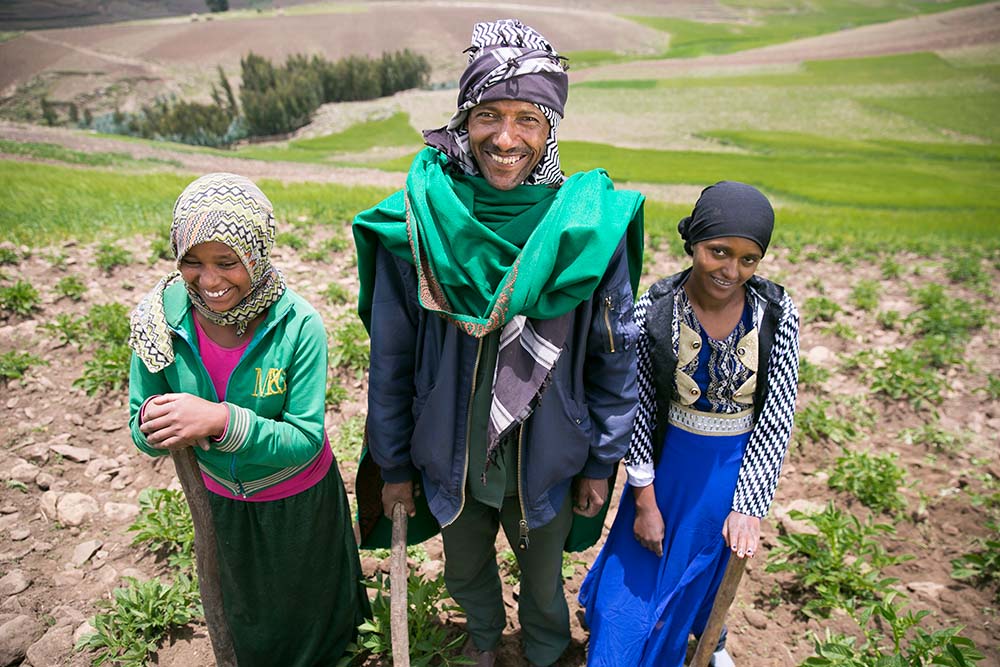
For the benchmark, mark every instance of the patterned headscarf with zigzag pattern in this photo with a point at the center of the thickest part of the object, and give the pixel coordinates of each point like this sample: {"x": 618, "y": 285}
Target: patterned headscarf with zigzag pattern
{"x": 219, "y": 207}
{"x": 508, "y": 60}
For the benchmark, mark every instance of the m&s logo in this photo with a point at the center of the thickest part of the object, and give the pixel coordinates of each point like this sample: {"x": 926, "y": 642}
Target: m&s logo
{"x": 270, "y": 384}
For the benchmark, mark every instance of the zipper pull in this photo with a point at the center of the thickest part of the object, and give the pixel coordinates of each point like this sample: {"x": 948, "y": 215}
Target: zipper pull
{"x": 239, "y": 485}
{"x": 522, "y": 542}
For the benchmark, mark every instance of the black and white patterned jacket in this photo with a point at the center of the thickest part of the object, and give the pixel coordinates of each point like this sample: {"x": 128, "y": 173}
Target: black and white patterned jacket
{"x": 777, "y": 321}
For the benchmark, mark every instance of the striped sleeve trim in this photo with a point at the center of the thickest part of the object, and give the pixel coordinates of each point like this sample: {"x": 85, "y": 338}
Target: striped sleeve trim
{"x": 640, "y": 449}
{"x": 238, "y": 432}
{"x": 768, "y": 444}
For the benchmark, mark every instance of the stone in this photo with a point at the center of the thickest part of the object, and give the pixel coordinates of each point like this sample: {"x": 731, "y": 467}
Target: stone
{"x": 48, "y": 504}
{"x": 789, "y": 525}
{"x": 121, "y": 512}
{"x": 20, "y": 534}
{"x": 81, "y": 631}
{"x": 52, "y": 648}
{"x": 83, "y": 552}
{"x": 820, "y": 355}
{"x": 16, "y": 635}
{"x": 926, "y": 589}
{"x": 25, "y": 472}
{"x": 75, "y": 508}
{"x": 756, "y": 618}
{"x": 10, "y": 520}
{"x": 77, "y": 454}
{"x": 67, "y": 578}
{"x": 45, "y": 481}
{"x": 14, "y": 582}
{"x": 16, "y": 554}
{"x": 73, "y": 418}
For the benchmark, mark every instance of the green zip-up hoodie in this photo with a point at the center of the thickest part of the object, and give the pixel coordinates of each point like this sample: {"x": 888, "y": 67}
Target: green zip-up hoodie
{"x": 276, "y": 394}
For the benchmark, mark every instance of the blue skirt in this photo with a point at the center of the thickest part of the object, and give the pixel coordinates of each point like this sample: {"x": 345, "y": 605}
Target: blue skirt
{"x": 640, "y": 608}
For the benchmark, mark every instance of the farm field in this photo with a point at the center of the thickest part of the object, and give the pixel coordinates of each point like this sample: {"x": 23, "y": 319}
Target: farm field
{"x": 877, "y": 143}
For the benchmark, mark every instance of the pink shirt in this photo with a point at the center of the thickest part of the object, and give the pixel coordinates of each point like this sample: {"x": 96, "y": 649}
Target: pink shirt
{"x": 219, "y": 362}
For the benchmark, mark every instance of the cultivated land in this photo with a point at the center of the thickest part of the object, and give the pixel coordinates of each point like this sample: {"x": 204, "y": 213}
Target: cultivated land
{"x": 884, "y": 176}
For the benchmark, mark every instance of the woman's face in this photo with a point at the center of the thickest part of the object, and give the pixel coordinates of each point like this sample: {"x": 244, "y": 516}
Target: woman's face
{"x": 218, "y": 275}
{"x": 722, "y": 265}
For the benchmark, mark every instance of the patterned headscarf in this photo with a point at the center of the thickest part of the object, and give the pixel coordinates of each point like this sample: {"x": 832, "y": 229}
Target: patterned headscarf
{"x": 219, "y": 207}
{"x": 508, "y": 61}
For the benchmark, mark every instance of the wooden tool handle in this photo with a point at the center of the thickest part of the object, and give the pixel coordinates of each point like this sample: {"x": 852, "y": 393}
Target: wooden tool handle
{"x": 723, "y": 599}
{"x": 398, "y": 580}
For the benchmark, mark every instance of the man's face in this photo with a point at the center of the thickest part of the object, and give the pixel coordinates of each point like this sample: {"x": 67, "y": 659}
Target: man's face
{"x": 507, "y": 138}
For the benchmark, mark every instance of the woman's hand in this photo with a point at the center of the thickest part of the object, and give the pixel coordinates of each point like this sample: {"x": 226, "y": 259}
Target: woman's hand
{"x": 742, "y": 533}
{"x": 648, "y": 526}
{"x": 398, "y": 492}
{"x": 176, "y": 421}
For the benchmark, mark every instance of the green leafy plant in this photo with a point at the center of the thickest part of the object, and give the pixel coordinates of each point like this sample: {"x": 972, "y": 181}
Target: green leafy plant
{"x": 891, "y": 268}
{"x": 874, "y": 479}
{"x": 336, "y": 393}
{"x": 160, "y": 248}
{"x": 110, "y": 256}
{"x": 137, "y": 617}
{"x": 337, "y": 294}
{"x": 431, "y": 643}
{"x": 21, "y": 298}
{"x": 839, "y": 423}
{"x": 948, "y": 316}
{"x": 292, "y": 240}
{"x": 327, "y": 249}
{"x": 903, "y": 374}
{"x": 9, "y": 256}
{"x": 811, "y": 375}
{"x": 67, "y": 328}
{"x": 107, "y": 371}
{"x": 907, "y": 645}
{"x": 820, "y": 309}
{"x": 838, "y": 565}
{"x": 347, "y": 445}
{"x": 982, "y": 566}
{"x": 13, "y": 364}
{"x": 841, "y": 330}
{"x": 888, "y": 319}
{"x": 992, "y": 387}
{"x": 865, "y": 295}
{"x": 71, "y": 287}
{"x": 933, "y": 436}
{"x": 164, "y": 524}
{"x": 966, "y": 268}
{"x": 56, "y": 259}
{"x": 349, "y": 349}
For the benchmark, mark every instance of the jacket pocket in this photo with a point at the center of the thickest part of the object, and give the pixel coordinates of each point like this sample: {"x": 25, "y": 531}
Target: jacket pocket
{"x": 615, "y": 320}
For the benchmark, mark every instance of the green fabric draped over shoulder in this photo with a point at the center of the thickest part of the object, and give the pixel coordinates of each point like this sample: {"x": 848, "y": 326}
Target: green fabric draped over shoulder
{"x": 484, "y": 255}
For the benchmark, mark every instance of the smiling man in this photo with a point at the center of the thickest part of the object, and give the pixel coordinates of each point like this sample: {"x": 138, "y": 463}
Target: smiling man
{"x": 498, "y": 296}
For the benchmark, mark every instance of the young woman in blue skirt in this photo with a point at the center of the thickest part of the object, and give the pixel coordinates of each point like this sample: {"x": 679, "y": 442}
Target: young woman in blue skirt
{"x": 718, "y": 368}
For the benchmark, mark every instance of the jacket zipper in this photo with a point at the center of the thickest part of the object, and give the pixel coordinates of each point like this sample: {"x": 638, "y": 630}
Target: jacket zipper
{"x": 468, "y": 433}
{"x": 522, "y": 540}
{"x": 607, "y": 321}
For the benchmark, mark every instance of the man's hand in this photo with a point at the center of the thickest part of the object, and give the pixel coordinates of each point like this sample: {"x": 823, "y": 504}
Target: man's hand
{"x": 648, "y": 526}
{"x": 742, "y": 533}
{"x": 176, "y": 421}
{"x": 590, "y": 496}
{"x": 401, "y": 492}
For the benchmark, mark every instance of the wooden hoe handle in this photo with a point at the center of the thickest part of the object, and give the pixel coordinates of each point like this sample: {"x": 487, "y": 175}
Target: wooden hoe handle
{"x": 723, "y": 599}
{"x": 398, "y": 577}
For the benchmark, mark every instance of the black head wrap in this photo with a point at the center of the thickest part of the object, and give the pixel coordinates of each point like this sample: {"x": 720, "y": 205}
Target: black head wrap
{"x": 729, "y": 208}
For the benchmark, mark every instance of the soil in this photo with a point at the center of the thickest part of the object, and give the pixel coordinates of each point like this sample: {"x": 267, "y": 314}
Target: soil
{"x": 56, "y": 565}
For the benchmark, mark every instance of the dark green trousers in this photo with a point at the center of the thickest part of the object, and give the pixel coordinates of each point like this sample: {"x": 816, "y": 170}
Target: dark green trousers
{"x": 472, "y": 577}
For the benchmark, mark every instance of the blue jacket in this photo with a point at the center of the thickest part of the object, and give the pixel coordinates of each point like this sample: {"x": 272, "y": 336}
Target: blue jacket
{"x": 420, "y": 395}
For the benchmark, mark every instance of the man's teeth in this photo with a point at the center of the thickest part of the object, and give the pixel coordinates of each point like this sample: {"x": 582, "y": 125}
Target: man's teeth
{"x": 216, "y": 295}
{"x": 506, "y": 160}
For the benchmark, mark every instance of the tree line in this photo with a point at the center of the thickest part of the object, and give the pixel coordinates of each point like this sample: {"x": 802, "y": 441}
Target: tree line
{"x": 273, "y": 99}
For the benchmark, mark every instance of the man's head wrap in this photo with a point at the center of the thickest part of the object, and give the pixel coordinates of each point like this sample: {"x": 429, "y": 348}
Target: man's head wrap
{"x": 231, "y": 210}
{"x": 729, "y": 208}
{"x": 507, "y": 61}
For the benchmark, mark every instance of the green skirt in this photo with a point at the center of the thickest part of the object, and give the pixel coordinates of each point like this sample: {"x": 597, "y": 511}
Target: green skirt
{"x": 290, "y": 574}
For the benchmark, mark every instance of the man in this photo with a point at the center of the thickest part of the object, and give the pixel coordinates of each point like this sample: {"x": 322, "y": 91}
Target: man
{"x": 498, "y": 297}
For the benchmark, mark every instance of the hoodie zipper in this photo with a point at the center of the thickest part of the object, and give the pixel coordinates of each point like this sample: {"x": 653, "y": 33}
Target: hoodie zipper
{"x": 608, "y": 307}
{"x": 468, "y": 433}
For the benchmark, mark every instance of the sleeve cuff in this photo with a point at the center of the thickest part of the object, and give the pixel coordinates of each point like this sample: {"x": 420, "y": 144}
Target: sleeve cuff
{"x": 597, "y": 470}
{"x": 640, "y": 474}
{"x": 397, "y": 475}
{"x": 237, "y": 430}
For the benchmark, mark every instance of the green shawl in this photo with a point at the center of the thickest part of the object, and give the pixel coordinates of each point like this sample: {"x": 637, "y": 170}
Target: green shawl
{"x": 484, "y": 255}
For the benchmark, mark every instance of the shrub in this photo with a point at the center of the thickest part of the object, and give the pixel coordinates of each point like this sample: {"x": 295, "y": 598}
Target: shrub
{"x": 109, "y": 256}
{"x": 164, "y": 523}
{"x": 839, "y": 565}
{"x": 874, "y": 479}
{"x": 431, "y": 643}
{"x": 9, "y": 256}
{"x": 13, "y": 364}
{"x": 107, "y": 371}
{"x": 864, "y": 295}
{"x": 71, "y": 287}
{"x": 932, "y": 435}
{"x": 944, "y": 315}
{"x": 21, "y": 298}
{"x": 902, "y": 373}
{"x": 69, "y": 329}
{"x": 138, "y": 616}
{"x": 821, "y": 420}
{"x": 820, "y": 308}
